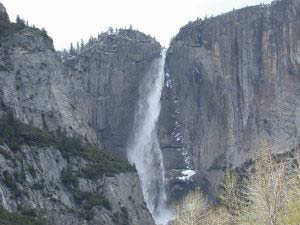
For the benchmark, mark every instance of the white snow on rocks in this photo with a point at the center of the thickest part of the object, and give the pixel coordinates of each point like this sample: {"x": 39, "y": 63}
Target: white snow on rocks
{"x": 187, "y": 175}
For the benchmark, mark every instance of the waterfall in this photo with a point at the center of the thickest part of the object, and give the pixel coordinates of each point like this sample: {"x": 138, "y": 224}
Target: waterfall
{"x": 144, "y": 150}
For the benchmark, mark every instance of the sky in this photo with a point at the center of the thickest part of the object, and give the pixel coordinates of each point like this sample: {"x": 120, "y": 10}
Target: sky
{"x": 69, "y": 21}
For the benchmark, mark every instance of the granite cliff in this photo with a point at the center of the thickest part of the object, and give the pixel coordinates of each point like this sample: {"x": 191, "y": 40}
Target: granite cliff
{"x": 91, "y": 96}
{"x": 56, "y": 179}
{"x": 106, "y": 75}
{"x": 232, "y": 81}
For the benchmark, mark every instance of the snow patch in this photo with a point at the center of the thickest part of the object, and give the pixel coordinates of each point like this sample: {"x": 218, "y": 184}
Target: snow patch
{"x": 169, "y": 83}
{"x": 187, "y": 174}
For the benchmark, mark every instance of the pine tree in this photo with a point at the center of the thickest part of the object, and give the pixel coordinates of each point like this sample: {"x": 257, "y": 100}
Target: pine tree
{"x": 20, "y": 21}
{"x": 81, "y": 45}
{"x": 44, "y": 32}
{"x": 72, "y": 50}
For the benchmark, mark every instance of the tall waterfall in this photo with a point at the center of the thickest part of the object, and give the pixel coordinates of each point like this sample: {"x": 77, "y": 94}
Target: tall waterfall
{"x": 144, "y": 150}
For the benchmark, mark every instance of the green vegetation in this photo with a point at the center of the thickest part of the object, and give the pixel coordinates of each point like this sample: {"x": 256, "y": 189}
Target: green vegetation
{"x": 67, "y": 178}
{"x": 96, "y": 200}
{"x": 99, "y": 163}
{"x": 12, "y": 184}
{"x": 5, "y": 154}
{"x": 7, "y": 29}
{"x": 15, "y": 134}
{"x": 32, "y": 171}
{"x": 122, "y": 217}
{"x": 109, "y": 168}
{"x": 269, "y": 195}
{"x": 7, "y": 218}
{"x": 88, "y": 200}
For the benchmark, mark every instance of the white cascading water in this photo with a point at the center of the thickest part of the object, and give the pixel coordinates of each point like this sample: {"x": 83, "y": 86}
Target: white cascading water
{"x": 144, "y": 150}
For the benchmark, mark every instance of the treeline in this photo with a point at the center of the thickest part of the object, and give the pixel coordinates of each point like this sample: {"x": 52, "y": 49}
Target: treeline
{"x": 268, "y": 195}
{"x": 21, "y": 22}
{"x": 79, "y": 47}
{"x": 7, "y": 29}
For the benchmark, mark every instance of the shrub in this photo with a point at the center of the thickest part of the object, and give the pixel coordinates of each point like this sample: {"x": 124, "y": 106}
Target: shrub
{"x": 230, "y": 194}
{"x": 292, "y": 214}
{"x": 267, "y": 190}
{"x": 96, "y": 200}
{"x": 29, "y": 212}
{"x": 89, "y": 200}
{"x": 7, "y": 29}
{"x": 15, "y": 134}
{"x": 7, "y": 218}
{"x": 32, "y": 171}
{"x": 192, "y": 210}
{"x": 68, "y": 179}
{"x": 12, "y": 184}
{"x": 6, "y": 154}
{"x": 270, "y": 195}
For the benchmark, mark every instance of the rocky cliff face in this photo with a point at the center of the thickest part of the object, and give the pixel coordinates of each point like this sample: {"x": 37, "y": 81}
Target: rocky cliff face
{"x": 91, "y": 95}
{"x": 106, "y": 75}
{"x": 34, "y": 85}
{"x": 3, "y": 14}
{"x": 35, "y": 180}
{"x": 232, "y": 81}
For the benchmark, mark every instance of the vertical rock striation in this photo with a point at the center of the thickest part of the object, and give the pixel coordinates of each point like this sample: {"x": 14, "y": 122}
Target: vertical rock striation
{"x": 34, "y": 85}
{"x": 91, "y": 95}
{"x": 106, "y": 77}
{"x": 232, "y": 81}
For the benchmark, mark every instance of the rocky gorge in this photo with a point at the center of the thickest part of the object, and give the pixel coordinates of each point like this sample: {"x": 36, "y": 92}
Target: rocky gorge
{"x": 230, "y": 82}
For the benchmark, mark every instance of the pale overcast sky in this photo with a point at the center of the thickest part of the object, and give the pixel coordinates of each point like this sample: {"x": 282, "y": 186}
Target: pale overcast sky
{"x": 70, "y": 20}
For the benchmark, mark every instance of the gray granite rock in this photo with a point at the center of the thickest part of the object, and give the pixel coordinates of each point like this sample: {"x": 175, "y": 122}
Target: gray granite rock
{"x": 32, "y": 178}
{"x": 106, "y": 78}
{"x": 233, "y": 81}
{"x": 3, "y": 14}
{"x": 91, "y": 95}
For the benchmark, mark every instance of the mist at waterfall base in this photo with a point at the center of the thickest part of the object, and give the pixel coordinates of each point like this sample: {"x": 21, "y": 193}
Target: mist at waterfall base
{"x": 144, "y": 150}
